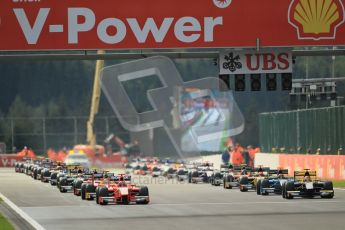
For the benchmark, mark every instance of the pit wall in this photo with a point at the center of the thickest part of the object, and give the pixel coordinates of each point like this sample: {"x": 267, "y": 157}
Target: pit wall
{"x": 215, "y": 159}
{"x": 326, "y": 166}
{"x": 8, "y": 160}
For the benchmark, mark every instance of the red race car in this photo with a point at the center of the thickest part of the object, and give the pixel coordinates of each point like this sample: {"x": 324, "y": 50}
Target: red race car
{"x": 119, "y": 190}
{"x": 88, "y": 187}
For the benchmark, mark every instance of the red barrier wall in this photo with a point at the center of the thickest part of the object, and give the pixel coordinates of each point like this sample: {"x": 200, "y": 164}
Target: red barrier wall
{"x": 327, "y": 166}
{"x": 8, "y": 160}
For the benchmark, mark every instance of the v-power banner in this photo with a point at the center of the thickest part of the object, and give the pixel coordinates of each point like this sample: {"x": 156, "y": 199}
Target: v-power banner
{"x": 137, "y": 24}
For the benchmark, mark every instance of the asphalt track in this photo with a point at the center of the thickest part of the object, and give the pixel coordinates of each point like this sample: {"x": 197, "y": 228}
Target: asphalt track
{"x": 173, "y": 206}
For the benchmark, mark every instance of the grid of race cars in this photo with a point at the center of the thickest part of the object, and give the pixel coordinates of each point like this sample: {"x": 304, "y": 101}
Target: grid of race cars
{"x": 109, "y": 188}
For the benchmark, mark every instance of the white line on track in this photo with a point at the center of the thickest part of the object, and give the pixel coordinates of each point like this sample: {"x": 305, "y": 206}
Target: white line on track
{"x": 21, "y": 213}
{"x": 254, "y": 203}
{"x": 191, "y": 204}
{"x": 342, "y": 189}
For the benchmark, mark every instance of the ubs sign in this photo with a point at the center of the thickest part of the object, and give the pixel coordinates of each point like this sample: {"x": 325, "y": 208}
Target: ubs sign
{"x": 250, "y": 62}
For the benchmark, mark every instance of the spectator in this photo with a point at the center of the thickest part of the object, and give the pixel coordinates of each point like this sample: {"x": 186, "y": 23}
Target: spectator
{"x": 26, "y": 152}
{"x": 236, "y": 156}
{"x": 226, "y": 155}
{"x": 251, "y": 152}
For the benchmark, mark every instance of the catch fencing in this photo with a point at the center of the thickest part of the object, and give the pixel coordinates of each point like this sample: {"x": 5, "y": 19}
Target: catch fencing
{"x": 41, "y": 134}
{"x": 319, "y": 131}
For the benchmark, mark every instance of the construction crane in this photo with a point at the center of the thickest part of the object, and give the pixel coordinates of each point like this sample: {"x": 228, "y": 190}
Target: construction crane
{"x": 96, "y": 94}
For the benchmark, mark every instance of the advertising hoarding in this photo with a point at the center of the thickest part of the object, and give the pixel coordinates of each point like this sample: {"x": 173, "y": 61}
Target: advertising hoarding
{"x": 141, "y": 24}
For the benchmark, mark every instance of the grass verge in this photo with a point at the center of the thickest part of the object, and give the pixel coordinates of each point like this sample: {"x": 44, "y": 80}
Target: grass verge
{"x": 339, "y": 183}
{"x": 4, "y": 224}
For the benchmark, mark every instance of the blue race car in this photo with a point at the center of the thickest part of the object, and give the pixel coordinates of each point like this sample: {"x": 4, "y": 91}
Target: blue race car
{"x": 273, "y": 183}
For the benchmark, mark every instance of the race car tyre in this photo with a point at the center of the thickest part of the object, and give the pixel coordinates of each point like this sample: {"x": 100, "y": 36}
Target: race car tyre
{"x": 328, "y": 186}
{"x": 103, "y": 192}
{"x": 143, "y": 191}
{"x": 53, "y": 176}
{"x": 39, "y": 171}
{"x": 58, "y": 182}
{"x": 212, "y": 179}
{"x": 216, "y": 177}
{"x": 90, "y": 188}
{"x": 277, "y": 188}
{"x": 35, "y": 174}
{"x": 97, "y": 195}
{"x": 284, "y": 190}
{"x": 243, "y": 188}
{"x": 264, "y": 184}
{"x": 125, "y": 200}
{"x": 243, "y": 181}
{"x": 227, "y": 181}
{"x": 63, "y": 182}
{"x": 83, "y": 191}
{"x": 77, "y": 185}
{"x": 45, "y": 174}
{"x": 195, "y": 174}
{"x": 42, "y": 172}
{"x": 258, "y": 187}
{"x": 289, "y": 186}
{"x": 328, "y": 196}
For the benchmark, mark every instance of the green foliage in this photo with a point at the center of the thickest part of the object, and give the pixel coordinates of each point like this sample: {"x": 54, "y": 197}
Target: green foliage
{"x": 38, "y": 83}
{"x": 64, "y": 88}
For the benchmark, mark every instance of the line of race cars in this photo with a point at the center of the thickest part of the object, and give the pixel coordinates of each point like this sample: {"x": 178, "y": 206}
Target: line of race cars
{"x": 106, "y": 187}
{"x": 102, "y": 186}
{"x": 262, "y": 180}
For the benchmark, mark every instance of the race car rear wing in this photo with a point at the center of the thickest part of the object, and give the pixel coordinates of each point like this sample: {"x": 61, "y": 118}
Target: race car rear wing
{"x": 224, "y": 166}
{"x": 299, "y": 175}
{"x": 265, "y": 169}
{"x": 116, "y": 178}
{"x": 206, "y": 164}
{"x": 97, "y": 175}
{"x": 280, "y": 171}
{"x": 240, "y": 168}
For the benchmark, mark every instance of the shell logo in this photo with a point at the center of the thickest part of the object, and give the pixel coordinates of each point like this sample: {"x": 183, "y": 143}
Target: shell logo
{"x": 222, "y": 3}
{"x": 316, "y": 19}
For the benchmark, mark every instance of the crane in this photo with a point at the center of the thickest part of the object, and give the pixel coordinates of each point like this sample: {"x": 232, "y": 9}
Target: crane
{"x": 96, "y": 94}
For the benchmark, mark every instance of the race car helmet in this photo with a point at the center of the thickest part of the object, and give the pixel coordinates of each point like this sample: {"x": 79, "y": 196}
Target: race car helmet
{"x": 307, "y": 176}
{"x": 122, "y": 182}
{"x": 261, "y": 171}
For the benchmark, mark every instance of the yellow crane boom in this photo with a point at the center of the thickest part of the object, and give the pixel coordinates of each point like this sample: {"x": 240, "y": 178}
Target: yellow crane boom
{"x": 96, "y": 94}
